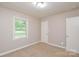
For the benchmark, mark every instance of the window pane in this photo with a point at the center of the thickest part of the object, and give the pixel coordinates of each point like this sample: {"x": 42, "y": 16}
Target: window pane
{"x": 20, "y": 28}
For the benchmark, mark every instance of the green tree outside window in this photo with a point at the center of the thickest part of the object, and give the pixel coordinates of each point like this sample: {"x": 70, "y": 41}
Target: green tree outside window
{"x": 20, "y": 28}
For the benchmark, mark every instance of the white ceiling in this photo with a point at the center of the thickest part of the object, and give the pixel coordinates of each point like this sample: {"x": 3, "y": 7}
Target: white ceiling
{"x": 50, "y": 9}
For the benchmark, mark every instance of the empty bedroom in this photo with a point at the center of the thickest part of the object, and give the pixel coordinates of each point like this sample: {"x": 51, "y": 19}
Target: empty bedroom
{"x": 39, "y": 29}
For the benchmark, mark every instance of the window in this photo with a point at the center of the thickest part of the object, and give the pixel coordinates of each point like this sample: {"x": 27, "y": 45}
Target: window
{"x": 20, "y": 28}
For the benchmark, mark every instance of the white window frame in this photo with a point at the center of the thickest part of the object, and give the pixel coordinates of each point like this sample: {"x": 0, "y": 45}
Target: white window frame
{"x": 25, "y": 19}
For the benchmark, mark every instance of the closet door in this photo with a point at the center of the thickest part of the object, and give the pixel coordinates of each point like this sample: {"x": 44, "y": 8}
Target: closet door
{"x": 72, "y": 34}
{"x": 44, "y": 31}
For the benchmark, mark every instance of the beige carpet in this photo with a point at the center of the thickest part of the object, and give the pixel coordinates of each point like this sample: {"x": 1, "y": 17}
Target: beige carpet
{"x": 42, "y": 50}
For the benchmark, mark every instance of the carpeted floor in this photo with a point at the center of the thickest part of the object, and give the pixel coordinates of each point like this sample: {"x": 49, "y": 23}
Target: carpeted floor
{"x": 42, "y": 50}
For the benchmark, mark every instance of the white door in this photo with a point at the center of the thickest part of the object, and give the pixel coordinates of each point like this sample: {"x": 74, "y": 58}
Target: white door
{"x": 44, "y": 31}
{"x": 72, "y": 34}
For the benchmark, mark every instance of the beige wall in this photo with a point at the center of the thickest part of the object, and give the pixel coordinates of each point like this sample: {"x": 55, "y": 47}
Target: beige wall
{"x": 6, "y": 30}
{"x": 57, "y": 27}
{"x": 56, "y": 24}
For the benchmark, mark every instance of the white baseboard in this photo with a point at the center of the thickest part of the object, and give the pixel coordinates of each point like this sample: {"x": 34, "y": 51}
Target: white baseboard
{"x": 63, "y": 48}
{"x": 72, "y": 50}
{"x": 55, "y": 45}
{"x": 13, "y": 50}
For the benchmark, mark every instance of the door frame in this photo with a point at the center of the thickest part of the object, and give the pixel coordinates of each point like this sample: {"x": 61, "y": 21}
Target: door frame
{"x": 67, "y": 36}
{"x": 42, "y": 23}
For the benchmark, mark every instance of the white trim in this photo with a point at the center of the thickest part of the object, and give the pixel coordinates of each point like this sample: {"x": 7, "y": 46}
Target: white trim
{"x": 55, "y": 45}
{"x": 62, "y": 47}
{"x": 73, "y": 50}
{"x": 44, "y": 31}
{"x": 27, "y": 26}
{"x": 67, "y": 49}
{"x": 13, "y": 50}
